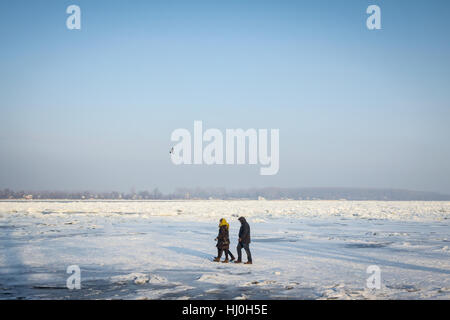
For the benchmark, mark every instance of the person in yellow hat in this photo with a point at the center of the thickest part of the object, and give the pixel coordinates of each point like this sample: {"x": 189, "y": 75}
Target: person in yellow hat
{"x": 223, "y": 241}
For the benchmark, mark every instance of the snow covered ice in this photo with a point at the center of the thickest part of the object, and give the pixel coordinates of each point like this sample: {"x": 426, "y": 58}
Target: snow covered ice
{"x": 163, "y": 249}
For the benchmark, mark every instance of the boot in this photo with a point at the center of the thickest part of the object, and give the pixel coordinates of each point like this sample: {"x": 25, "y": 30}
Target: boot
{"x": 217, "y": 259}
{"x": 238, "y": 261}
{"x": 232, "y": 259}
{"x": 225, "y": 261}
{"x": 248, "y": 262}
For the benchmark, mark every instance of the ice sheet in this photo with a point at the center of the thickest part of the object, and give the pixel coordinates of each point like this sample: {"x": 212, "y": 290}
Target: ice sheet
{"x": 163, "y": 250}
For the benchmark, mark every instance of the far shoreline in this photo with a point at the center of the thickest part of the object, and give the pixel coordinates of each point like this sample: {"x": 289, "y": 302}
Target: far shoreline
{"x": 216, "y": 200}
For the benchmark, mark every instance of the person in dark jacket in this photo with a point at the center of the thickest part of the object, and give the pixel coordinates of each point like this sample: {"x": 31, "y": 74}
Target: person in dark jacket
{"x": 244, "y": 241}
{"x": 223, "y": 241}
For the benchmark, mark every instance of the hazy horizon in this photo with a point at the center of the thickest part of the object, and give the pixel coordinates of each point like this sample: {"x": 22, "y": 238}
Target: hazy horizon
{"x": 217, "y": 193}
{"x": 133, "y": 189}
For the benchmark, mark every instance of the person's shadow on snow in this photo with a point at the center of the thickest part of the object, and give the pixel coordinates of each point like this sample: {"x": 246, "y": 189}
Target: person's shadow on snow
{"x": 190, "y": 252}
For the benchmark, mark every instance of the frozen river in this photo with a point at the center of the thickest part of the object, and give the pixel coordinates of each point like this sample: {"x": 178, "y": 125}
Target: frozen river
{"x": 163, "y": 249}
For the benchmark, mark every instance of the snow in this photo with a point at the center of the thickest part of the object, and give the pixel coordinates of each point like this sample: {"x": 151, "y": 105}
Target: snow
{"x": 163, "y": 249}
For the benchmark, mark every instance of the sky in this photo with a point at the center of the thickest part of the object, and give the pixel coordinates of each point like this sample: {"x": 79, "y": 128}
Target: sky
{"x": 94, "y": 109}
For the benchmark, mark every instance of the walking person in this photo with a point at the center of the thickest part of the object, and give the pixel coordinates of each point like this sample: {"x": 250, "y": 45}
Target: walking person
{"x": 244, "y": 241}
{"x": 223, "y": 241}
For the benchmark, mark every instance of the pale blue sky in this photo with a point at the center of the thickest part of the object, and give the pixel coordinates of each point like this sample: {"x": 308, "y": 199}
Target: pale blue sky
{"x": 94, "y": 109}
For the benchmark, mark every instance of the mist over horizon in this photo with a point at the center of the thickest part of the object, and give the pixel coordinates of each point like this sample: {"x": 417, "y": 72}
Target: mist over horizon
{"x": 217, "y": 193}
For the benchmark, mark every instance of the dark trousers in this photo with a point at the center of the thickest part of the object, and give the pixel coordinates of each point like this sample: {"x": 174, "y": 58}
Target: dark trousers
{"x": 227, "y": 252}
{"x": 247, "y": 250}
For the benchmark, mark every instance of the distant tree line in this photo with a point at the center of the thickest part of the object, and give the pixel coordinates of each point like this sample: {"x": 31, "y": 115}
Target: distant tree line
{"x": 84, "y": 195}
{"x": 248, "y": 193}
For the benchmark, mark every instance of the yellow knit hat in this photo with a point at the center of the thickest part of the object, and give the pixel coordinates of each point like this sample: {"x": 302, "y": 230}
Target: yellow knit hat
{"x": 224, "y": 222}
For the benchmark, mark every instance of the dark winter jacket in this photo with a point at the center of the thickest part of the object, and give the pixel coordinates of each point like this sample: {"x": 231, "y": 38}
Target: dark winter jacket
{"x": 244, "y": 231}
{"x": 223, "y": 239}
